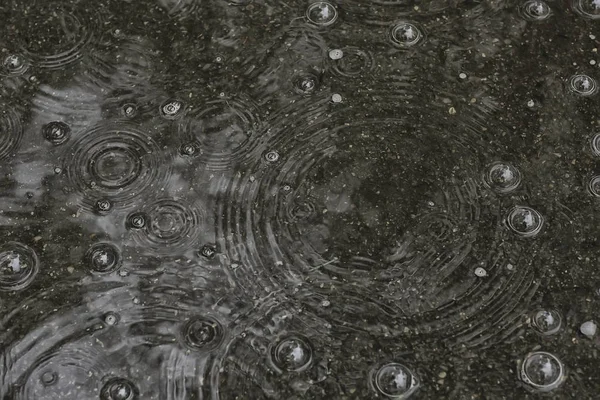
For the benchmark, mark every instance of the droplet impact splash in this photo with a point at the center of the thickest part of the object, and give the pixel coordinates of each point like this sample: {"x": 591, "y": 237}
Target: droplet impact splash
{"x": 202, "y": 334}
{"x": 405, "y": 34}
{"x": 103, "y": 258}
{"x": 542, "y": 371}
{"x": 594, "y": 186}
{"x": 583, "y": 85}
{"x": 56, "y": 132}
{"x": 18, "y": 266}
{"x": 395, "y": 381}
{"x": 535, "y": 10}
{"x": 589, "y": 9}
{"x": 172, "y": 109}
{"x": 291, "y": 354}
{"x": 502, "y": 177}
{"x": 119, "y": 389}
{"x": 321, "y": 13}
{"x": 137, "y": 220}
{"x": 524, "y": 221}
{"x": 546, "y": 322}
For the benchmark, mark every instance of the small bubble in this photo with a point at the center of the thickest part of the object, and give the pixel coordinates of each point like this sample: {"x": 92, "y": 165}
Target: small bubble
{"x": 336, "y": 98}
{"x": 546, "y": 322}
{"x": 56, "y": 132}
{"x": 502, "y": 177}
{"x": 103, "y": 206}
{"x": 530, "y": 103}
{"x": 137, "y": 220}
{"x": 336, "y": 54}
{"x": 542, "y": 371}
{"x": 119, "y": 389}
{"x": 535, "y": 10}
{"x": 208, "y": 251}
{"x": 480, "y": 272}
{"x": 525, "y": 221}
{"x": 594, "y": 186}
{"x": 405, "y": 34}
{"x": 111, "y": 319}
{"x": 171, "y": 109}
{"x": 395, "y": 381}
{"x": 49, "y": 378}
{"x": 272, "y": 156}
{"x": 583, "y": 85}
{"x": 589, "y": 328}
{"x": 103, "y": 258}
{"x": 462, "y": 75}
{"x": 321, "y": 13}
{"x": 292, "y": 354}
{"x": 129, "y": 110}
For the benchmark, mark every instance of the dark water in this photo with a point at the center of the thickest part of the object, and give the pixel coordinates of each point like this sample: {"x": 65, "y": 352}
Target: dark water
{"x": 295, "y": 200}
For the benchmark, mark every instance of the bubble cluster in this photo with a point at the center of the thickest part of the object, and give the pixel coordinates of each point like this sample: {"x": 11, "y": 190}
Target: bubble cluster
{"x": 18, "y": 266}
{"x": 535, "y": 10}
{"x": 594, "y": 186}
{"x": 292, "y": 354}
{"x": 119, "y": 389}
{"x": 405, "y": 34}
{"x": 525, "y": 221}
{"x": 172, "y": 109}
{"x": 589, "y": 9}
{"x": 13, "y": 65}
{"x": 11, "y": 132}
{"x": 395, "y": 381}
{"x": 542, "y": 371}
{"x": 354, "y": 63}
{"x": 321, "y": 13}
{"x": 103, "y": 258}
{"x": 583, "y": 85}
{"x": 202, "y": 334}
{"x": 502, "y": 177}
{"x": 546, "y": 322}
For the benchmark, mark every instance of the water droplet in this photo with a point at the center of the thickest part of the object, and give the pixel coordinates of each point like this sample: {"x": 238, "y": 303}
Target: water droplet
{"x": 56, "y": 132}
{"x": 336, "y": 98}
{"x": 546, "y": 322}
{"x": 502, "y": 177}
{"x": 542, "y": 371}
{"x": 49, "y": 378}
{"x": 583, "y": 85}
{"x": 292, "y": 353}
{"x": 525, "y": 221}
{"x": 587, "y": 8}
{"x": 535, "y": 10}
{"x": 137, "y": 220}
{"x": 119, "y": 389}
{"x": 111, "y": 319}
{"x": 202, "y": 333}
{"x": 336, "y": 54}
{"x": 306, "y": 83}
{"x": 103, "y": 206}
{"x": 405, "y": 34}
{"x": 395, "y": 381}
{"x": 594, "y": 186}
{"x": 208, "y": 250}
{"x": 103, "y": 258}
{"x": 129, "y": 110}
{"x": 189, "y": 149}
{"x": 321, "y": 13}
{"x": 480, "y": 272}
{"x": 172, "y": 109}
{"x": 18, "y": 266}
{"x": 589, "y": 328}
{"x": 272, "y": 156}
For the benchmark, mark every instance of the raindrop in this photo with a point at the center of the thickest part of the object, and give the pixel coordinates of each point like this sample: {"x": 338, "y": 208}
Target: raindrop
{"x": 525, "y": 221}
{"x": 208, "y": 251}
{"x": 49, "y": 378}
{"x": 189, "y": 149}
{"x": 171, "y": 109}
{"x": 594, "y": 186}
{"x": 546, "y": 322}
{"x": 103, "y": 258}
{"x": 14, "y": 64}
{"x": 111, "y": 319}
{"x": 286, "y": 189}
{"x": 405, "y": 34}
{"x": 202, "y": 333}
{"x": 119, "y": 389}
{"x": 395, "y": 381}
{"x": 480, "y": 272}
{"x": 583, "y": 85}
{"x": 103, "y": 206}
{"x": 321, "y": 13}
{"x": 129, "y": 110}
{"x": 542, "y": 371}
{"x": 292, "y": 354}
{"x": 589, "y": 328}
{"x": 137, "y": 220}
{"x": 502, "y": 177}
{"x": 535, "y": 10}
{"x": 595, "y": 144}
{"x": 18, "y": 266}
{"x": 56, "y": 132}
{"x": 272, "y": 156}
{"x": 306, "y": 83}
{"x": 587, "y": 8}
{"x": 336, "y": 54}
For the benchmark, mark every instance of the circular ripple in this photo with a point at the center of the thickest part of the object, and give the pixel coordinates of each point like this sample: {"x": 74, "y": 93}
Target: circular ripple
{"x": 594, "y": 186}
{"x": 172, "y": 109}
{"x": 542, "y": 371}
{"x": 119, "y": 389}
{"x": 595, "y": 144}
{"x": 14, "y": 65}
{"x": 405, "y": 34}
{"x": 353, "y": 63}
{"x": 587, "y": 8}
{"x": 306, "y": 83}
{"x": 18, "y": 266}
{"x": 103, "y": 258}
{"x": 583, "y": 85}
{"x": 219, "y": 134}
{"x": 525, "y": 221}
{"x": 11, "y": 132}
{"x": 291, "y": 353}
{"x": 395, "y": 381}
{"x": 56, "y": 132}
{"x": 535, "y": 10}
{"x": 202, "y": 334}
{"x": 546, "y": 322}
{"x": 502, "y": 177}
{"x": 115, "y": 163}
{"x": 51, "y": 34}
{"x": 321, "y": 13}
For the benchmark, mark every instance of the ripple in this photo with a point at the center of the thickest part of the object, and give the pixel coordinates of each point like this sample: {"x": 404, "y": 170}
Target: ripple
{"x": 583, "y": 85}
{"x": 395, "y": 381}
{"x": 546, "y": 322}
{"x": 321, "y": 14}
{"x": 589, "y": 9}
{"x": 172, "y": 109}
{"x": 119, "y": 389}
{"x": 116, "y": 163}
{"x": 18, "y": 266}
{"x": 56, "y": 132}
{"x": 305, "y": 83}
{"x": 202, "y": 334}
{"x": 405, "y": 34}
{"x": 354, "y": 62}
{"x": 291, "y": 353}
{"x": 595, "y": 144}
{"x": 542, "y": 371}
{"x": 525, "y": 221}
{"x": 11, "y": 132}
{"x": 593, "y": 186}
{"x": 14, "y": 65}
{"x": 103, "y": 258}
{"x": 502, "y": 177}
{"x": 535, "y": 10}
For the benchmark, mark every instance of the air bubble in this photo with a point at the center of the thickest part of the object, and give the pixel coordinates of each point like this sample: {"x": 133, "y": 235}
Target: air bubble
{"x": 546, "y": 322}
{"x": 502, "y": 177}
{"x": 321, "y": 13}
{"x": 336, "y": 98}
{"x": 395, "y": 381}
{"x": 119, "y": 389}
{"x": 594, "y": 186}
{"x": 542, "y": 371}
{"x": 18, "y": 266}
{"x": 272, "y": 156}
{"x": 589, "y": 9}
{"x": 202, "y": 333}
{"x": 583, "y": 85}
{"x": 462, "y": 75}
{"x": 336, "y": 54}
{"x": 405, "y": 34}
{"x": 292, "y": 354}
{"x": 535, "y": 10}
{"x": 137, "y": 220}
{"x": 525, "y": 221}
{"x": 172, "y": 109}
{"x": 103, "y": 258}
{"x": 56, "y": 132}
{"x": 480, "y": 272}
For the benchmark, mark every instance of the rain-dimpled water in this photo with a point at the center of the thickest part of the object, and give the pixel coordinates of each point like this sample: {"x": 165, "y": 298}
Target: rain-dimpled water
{"x": 260, "y": 199}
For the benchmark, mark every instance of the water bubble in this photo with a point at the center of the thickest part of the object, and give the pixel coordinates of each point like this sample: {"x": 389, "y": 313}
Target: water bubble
{"x": 208, "y": 250}
{"x": 525, "y": 221}
{"x": 49, "y": 378}
{"x": 202, "y": 333}
{"x": 172, "y": 109}
{"x": 535, "y": 10}
{"x": 111, "y": 319}
{"x": 119, "y": 389}
{"x": 583, "y": 85}
{"x": 542, "y": 371}
{"x": 14, "y": 64}
{"x": 189, "y": 149}
{"x": 321, "y": 13}
{"x": 18, "y": 266}
{"x": 594, "y": 186}
{"x": 595, "y": 144}
{"x": 395, "y": 381}
{"x": 480, "y": 272}
{"x": 336, "y": 98}
{"x": 129, "y": 110}
{"x": 56, "y": 132}
{"x": 589, "y": 328}
{"x": 336, "y": 54}
{"x": 306, "y": 83}
{"x": 137, "y": 220}
{"x": 502, "y": 177}
{"x": 272, "y": 156}
{"x": 103, "y": 206}
{"x": 286, "y": 189}
{"x": 462, "y": 75}
{"x": 292, "y": 354}
{"x": 587, "y": 8}
{"x": 103, "y": 258}
{"x": 546, "y": 322}
{"x": 405, "y": 34}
